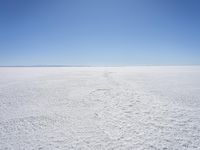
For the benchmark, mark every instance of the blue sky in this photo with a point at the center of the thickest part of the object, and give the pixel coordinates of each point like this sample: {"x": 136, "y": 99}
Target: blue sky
{"x": 99, "y": 32}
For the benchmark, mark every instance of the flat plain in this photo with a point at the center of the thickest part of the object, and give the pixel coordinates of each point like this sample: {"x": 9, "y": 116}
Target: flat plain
{"x": 141, "y": 107}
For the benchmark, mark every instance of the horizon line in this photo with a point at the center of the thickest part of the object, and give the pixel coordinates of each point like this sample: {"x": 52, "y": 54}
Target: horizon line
{"x": 97, "y": 65}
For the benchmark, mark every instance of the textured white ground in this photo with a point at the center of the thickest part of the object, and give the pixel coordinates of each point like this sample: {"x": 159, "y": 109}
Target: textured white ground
{"x": 100, "y": 108}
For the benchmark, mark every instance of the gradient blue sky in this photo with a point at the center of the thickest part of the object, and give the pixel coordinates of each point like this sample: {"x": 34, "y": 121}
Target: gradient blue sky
{"x": 99, "y": 32}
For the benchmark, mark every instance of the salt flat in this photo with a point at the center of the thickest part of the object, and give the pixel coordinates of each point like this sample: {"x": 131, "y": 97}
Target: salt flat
{"x": 154, "y": 107}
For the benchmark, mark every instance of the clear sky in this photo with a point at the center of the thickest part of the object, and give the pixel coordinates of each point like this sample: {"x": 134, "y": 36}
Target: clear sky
{"x": 99, "y": 32}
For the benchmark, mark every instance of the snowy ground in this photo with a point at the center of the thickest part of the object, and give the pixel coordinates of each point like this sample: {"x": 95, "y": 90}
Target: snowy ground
{"x": 100, "y": 108}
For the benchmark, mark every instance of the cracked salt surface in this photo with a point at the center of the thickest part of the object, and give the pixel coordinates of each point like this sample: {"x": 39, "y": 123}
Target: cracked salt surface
{"x": 100, "y": 108}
